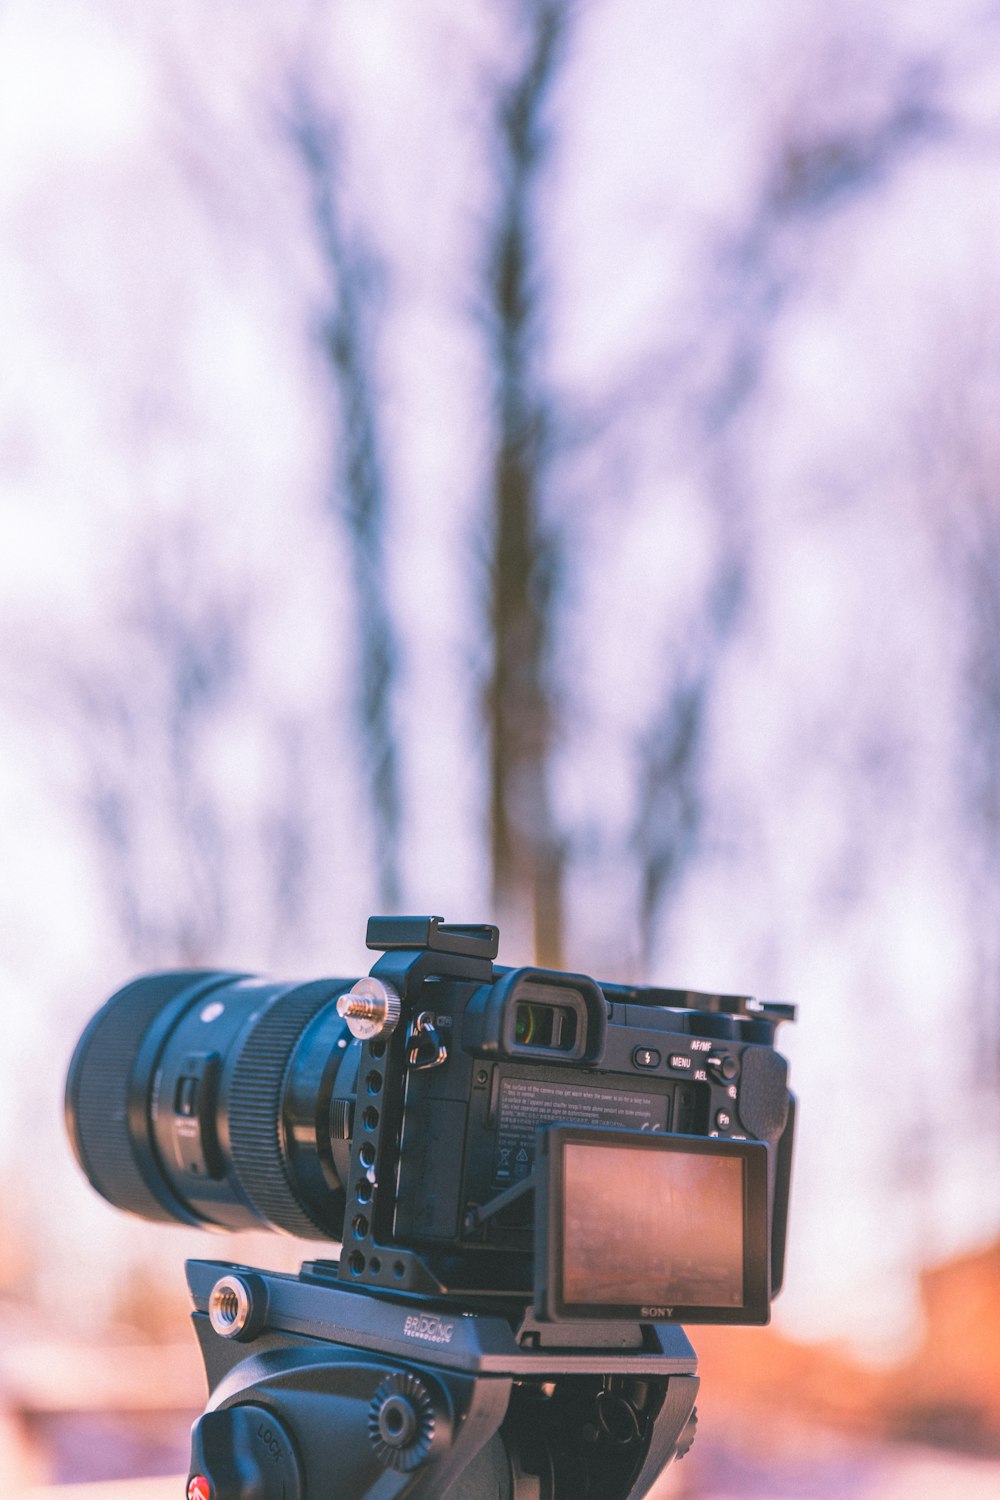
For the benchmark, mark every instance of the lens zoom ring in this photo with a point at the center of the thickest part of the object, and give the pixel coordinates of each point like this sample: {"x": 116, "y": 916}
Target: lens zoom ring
{"x": 254, "y": 1108}
{"x": 98, "y": 1086}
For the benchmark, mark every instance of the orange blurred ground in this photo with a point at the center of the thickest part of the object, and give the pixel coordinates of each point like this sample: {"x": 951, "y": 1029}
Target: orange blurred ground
{"x": 896, "y": 1474}
{"x": 947, "y": 1394}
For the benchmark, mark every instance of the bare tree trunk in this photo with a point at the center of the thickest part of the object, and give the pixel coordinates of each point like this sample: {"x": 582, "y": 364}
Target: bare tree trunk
{"x": 358, "y": 496}
{"x": 526, "y": 849}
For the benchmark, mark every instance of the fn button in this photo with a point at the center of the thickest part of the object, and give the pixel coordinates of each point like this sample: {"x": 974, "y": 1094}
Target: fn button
{"x": 646, "y": 1057}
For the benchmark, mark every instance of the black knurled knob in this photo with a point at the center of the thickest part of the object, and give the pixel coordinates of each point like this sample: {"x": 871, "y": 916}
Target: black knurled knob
{"x": 254, "y": 1108}
{"x": 401, "y": 1421}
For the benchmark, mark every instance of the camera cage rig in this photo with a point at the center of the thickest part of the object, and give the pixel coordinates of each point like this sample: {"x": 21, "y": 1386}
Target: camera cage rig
{"x": 413, "y": 949}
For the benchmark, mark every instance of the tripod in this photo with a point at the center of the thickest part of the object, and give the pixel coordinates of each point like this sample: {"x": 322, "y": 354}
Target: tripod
{"x": 319, "y": 1389}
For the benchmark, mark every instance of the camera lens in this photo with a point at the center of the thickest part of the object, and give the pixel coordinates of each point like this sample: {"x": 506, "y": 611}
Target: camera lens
{"x": 209, "y": 1098}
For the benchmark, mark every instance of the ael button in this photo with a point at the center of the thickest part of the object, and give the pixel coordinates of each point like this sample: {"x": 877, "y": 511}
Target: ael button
{"x": 646, "y": 1057}
{"x": 725, "y": 1067}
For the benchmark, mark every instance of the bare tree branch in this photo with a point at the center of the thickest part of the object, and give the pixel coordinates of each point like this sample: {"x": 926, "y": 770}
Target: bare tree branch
{"x": 818, "y": 167}
{"x": 143, "y": 714}
{"x": 358, "y": 496}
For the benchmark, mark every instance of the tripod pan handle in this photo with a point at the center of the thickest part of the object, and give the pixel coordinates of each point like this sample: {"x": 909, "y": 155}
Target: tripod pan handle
{"x": 242, "y": 1453}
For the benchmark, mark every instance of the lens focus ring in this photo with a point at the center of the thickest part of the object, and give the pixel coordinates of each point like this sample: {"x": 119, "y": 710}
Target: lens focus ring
{"x": 99, "y": 1084}
{"x": 255, "y": 1109}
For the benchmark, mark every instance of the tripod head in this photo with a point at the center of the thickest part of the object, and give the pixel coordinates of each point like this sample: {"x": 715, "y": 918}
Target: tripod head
{"x": 318, "y": 1388}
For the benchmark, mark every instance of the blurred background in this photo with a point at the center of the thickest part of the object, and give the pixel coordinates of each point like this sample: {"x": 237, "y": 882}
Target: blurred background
{"x": 536, "y": 463}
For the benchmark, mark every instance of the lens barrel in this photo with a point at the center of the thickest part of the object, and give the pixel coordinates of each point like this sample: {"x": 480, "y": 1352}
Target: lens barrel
{"x": 207, "y": 1098}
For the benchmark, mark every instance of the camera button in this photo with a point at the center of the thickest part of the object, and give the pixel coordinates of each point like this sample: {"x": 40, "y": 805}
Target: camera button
{"x": 725, "y": 1067}
{"x": 723, "y": 1119}
{"x": 646, "y": 1057}
{"x": 186, "y": 1098}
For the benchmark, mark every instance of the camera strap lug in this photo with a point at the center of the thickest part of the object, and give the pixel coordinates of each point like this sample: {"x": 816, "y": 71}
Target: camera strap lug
{"x": 424, "y": 1047}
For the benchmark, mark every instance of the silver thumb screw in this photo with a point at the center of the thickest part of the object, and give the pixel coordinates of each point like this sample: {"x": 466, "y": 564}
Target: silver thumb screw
{"x": 372, "y": 1008}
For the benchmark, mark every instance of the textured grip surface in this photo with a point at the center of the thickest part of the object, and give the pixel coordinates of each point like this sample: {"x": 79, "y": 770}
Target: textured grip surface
{"x": 97, "y": 1090}
{"x": 254, "y": 1109}
{"x": 763, "y": 1093}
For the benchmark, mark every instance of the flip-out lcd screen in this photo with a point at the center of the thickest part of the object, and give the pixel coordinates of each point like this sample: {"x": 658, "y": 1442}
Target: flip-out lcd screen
{"x": 653, "y": 1226}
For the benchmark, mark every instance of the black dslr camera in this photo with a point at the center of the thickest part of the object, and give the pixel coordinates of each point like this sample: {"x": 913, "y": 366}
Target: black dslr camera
{"x": 535, "y": 1179}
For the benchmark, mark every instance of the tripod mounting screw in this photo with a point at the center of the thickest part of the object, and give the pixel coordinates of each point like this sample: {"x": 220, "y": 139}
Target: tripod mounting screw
{"x": 401, "y": 1421}
{"x": 237, "y": 1306}
{"x": 371, "y": 1009}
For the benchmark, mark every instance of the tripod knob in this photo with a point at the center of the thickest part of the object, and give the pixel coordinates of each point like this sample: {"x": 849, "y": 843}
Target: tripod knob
{"x": 401, "y": 1421}
{"x": 242, "y": 1453}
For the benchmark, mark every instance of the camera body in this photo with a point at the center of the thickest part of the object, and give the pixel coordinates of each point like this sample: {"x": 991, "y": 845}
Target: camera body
{"x": 467, "y": 1131}
{"x": 493, "y": 1070}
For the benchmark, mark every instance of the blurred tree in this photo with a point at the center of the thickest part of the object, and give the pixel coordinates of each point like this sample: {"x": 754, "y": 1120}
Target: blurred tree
{"x": 848, "y": 124}
{"x": 524, "y": 550}
{"x": 357, "y": 495}
{"x": 146, "y": 710}
{"x": 279, "y": 186}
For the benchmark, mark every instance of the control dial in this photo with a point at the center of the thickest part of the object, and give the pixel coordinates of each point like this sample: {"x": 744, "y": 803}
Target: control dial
{"x": 723, "y": 1066}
